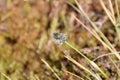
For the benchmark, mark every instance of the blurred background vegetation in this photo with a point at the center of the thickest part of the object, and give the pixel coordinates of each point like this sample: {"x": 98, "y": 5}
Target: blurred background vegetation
{"x": 26, "y": 28}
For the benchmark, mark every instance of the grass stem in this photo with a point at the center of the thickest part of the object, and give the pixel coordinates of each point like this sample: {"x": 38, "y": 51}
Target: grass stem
{"x": 91, "y": 62}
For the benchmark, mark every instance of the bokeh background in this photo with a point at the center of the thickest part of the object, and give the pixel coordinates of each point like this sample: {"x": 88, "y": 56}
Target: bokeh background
{"x": 26, "y": 28}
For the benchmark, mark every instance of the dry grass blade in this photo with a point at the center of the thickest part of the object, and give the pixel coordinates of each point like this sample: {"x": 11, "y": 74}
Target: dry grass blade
{"x": 107, "y": 11}
{"x": 98, "y": 30}
{"x": 5, "y": 76}
{"x": 95, "y": 34}
{"x": 79, "y": 65}
{"x": 118, "y": 15}
{"x": 50, "y": 69}
{"x": 91, "y": 62}
{"x": 111, "y": 18}
{"x": 104, "y": 56}
{"x": 74, "y": 75}
{"x": 112, "y": 10}
{"x": 94, "y": 26}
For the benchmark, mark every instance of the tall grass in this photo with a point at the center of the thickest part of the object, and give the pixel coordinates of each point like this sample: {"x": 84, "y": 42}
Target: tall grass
{"x": 50, "y": 68}
{"x": 98, "y": 34}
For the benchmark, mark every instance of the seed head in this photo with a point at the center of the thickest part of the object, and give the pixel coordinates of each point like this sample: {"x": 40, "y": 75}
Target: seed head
{"x": 59, "y": 38}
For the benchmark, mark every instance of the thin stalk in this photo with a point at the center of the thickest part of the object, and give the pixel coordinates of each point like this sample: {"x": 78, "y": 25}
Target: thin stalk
{"x": 107, "y": 11}
{"x": 91, "y": 62}
{"x": 79, "y": 65}
{"x": 109, "y": 54}
{"x": 112, "y": 10}
{"x": 74, "y": 75}
{"x": 5, "y": 76}
{"x": 117, "y": 31}
{"x": 112, "y": 19}
{"x": 118, "y": 14}
{"x": 94, "y": 26}
{"x": 50, "y": 69}
{"x": 93, "y": 32}
{"x": 97, "y": 30}
{"x": 97, "y": 37}
{"x": 86, "y": 27}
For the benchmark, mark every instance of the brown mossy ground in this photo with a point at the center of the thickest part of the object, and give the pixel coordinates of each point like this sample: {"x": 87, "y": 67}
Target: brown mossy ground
{"x": 26, "y": 28}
